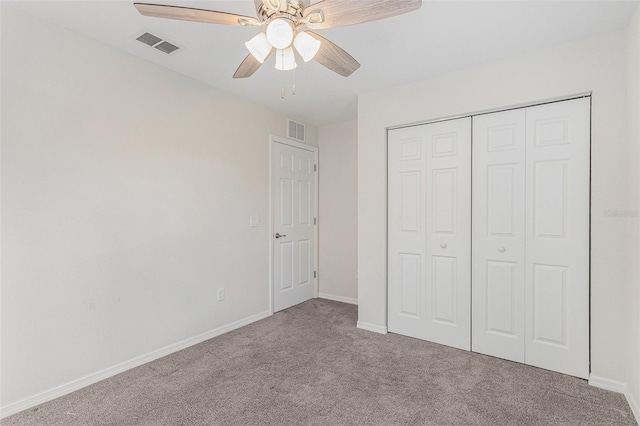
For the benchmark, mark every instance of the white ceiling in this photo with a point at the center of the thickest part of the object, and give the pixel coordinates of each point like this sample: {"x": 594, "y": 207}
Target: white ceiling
{"x": 441, "y": 36}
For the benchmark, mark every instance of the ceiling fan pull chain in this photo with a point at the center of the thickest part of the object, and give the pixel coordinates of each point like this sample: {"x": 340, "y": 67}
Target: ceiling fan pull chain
{"x": 293, "y": 89}
{"x": 281, "y": 52}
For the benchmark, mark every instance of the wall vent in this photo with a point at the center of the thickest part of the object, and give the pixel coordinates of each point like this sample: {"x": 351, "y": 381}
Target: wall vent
{"x": 157, "y": 43}
{"x": 295, "y": 130}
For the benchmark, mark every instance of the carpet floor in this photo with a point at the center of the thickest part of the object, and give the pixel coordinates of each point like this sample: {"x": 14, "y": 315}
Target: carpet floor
{"x": 310, "y": 365}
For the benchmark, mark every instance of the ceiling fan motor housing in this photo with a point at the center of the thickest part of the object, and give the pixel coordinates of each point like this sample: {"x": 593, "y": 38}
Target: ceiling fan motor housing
{"x": 270, "y": 8}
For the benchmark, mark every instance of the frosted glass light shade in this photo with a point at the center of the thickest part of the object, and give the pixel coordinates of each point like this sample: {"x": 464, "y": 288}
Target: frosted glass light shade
{"x": 280, "y": 33}
{"x": 285, "y": 59}
{"x": 306, "y": 45}
{"x": 259, "y": 47}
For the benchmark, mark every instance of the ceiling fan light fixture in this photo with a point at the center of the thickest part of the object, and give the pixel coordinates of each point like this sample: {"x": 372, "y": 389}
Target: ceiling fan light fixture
{"x": 280, "y": 33}
{"x": 306, "y": 45}
{"x": 259, "y": 47}
{"x": 285, "y": 59}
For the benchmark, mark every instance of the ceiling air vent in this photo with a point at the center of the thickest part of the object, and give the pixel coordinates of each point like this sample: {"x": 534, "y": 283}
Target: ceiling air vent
{"x": 157, "y": 43}
{"x": 149, "y": 39}
{"x": 166, "y": 47}
{"x": 295, "y": 130}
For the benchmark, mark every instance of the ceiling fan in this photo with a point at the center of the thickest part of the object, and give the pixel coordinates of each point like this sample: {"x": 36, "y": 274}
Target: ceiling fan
{"x": 286, "y": 22}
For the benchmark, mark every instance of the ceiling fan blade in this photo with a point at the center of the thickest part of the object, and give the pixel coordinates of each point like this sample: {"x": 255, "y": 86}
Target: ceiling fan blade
{"x": 340, "y": 13}
{"x": 334, "y": 57}
{"x": 248, "y": 66}
{"x": 195, "y": 15}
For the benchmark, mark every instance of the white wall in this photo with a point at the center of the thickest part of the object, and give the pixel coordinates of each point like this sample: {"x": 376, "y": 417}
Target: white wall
{"x": 126, "y": 196}
{"x": 338, "y": 226}
{"x": 595, "y": 64}
{"x": 633, "y": 204}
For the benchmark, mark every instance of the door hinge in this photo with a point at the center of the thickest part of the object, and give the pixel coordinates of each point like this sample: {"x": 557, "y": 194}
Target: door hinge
{"x": 315, "y": 167}
{"x": 315, "y": 222}
{"x": 314, "y": 274}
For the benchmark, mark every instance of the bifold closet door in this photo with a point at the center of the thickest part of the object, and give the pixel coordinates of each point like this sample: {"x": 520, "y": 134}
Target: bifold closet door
{"x": 499, "y": 234}
{"x": 557, "y": 237}
{"x": 531, "y": 235}
{"x": 429, "y": 220}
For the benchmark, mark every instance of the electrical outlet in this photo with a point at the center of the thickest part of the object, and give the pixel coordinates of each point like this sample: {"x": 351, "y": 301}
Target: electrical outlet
{"x": 220, "y": 294}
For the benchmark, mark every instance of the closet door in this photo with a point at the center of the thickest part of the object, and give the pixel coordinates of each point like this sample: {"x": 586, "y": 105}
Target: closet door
{"x": 406, "y": 231}
{"x": 557, "y": 237}
{"x": 448, "y": 227}
{"x": 499, "y": 234}
{"x": 429, "y": 197}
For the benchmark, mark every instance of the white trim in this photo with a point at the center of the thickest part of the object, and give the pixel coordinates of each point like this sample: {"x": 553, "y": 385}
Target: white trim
{"x": 372, "y": 327}
{"x": 294, "y": 143}
{"x": 285, "y": 141}
{"x": 633, "y": 404}
{"x": 92, "y": 378}
{"x": 335, "y": 298}
{"x": 607, "y": 384}
{"x": 619, "y": 387}
{"x": 492, "y": 110}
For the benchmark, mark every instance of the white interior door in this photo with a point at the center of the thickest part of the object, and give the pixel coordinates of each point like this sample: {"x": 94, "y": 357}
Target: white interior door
{"x": 407, "y": 234}
{"x": 531, "y": 235}
{"x": 557, "y": 237}
{"x": 429, "y": 187}
{"x": 499, "y": 234}
{"x": 448, "y": 227}
{"x": 293, "y": 192}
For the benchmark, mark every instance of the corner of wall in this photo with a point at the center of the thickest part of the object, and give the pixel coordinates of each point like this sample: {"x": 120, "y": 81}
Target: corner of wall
{"x": 338, "y": 217}
{"x": 632, "y": 221}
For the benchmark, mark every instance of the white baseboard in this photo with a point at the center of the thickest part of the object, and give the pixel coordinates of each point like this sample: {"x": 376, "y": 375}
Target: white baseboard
{"x": 608, "y": 384}
{"x": 634, "y": 404}
{"x": 620, "y": 387}
{"x": 92, "y": 378}
{"x": 372, "y": 327}
{"x": 335, "y": 298}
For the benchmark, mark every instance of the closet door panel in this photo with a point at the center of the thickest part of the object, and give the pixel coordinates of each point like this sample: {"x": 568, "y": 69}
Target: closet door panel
{"x": 498, "y": 234}
{"x": 406, "y": 231}
{"x": 557, "y": 240}
{"x": 448, "y": 232}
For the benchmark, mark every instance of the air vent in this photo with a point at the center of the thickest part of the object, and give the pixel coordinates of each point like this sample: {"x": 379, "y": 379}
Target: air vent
{"x": 295, "y": 130}
{"x": 149, "y": 39}
{"x": 157, "y": 43}
{"x": 167, "y": 47}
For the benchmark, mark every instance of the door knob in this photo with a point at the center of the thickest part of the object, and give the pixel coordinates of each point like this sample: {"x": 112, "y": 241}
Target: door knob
{"x": 279, "y": 236}
{"x": 501, "y": 249}
{"x": 443, "y": 245}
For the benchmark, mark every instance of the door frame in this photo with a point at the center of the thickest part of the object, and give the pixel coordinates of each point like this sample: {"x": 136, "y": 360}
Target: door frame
{"x": 285, "y": 141}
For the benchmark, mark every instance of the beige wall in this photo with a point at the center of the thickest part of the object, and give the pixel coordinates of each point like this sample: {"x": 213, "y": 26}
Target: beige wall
{"x": 592, "y": 65}
{"x": 633, "y": 204}
{"x": 126, "y": 196}
{"x": 338, "y": 227}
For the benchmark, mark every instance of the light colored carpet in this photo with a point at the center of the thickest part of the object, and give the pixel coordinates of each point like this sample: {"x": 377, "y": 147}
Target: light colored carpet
{"x": 311, "y": 365}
